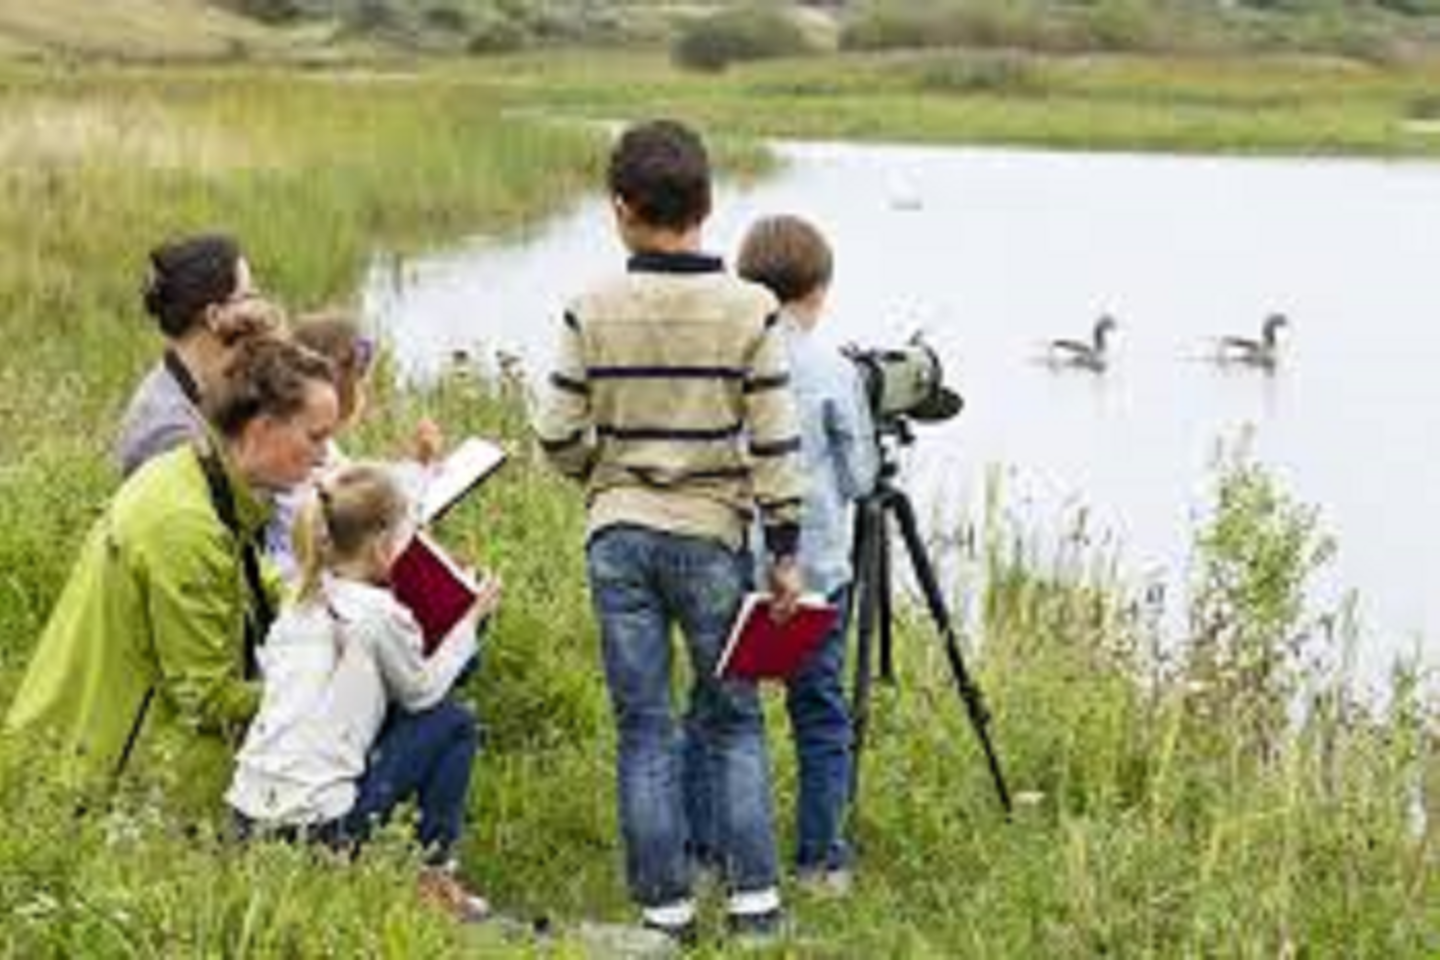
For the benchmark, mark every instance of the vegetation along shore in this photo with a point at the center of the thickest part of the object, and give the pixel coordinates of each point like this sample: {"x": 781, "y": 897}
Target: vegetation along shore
{"x": 1229, "y": 795}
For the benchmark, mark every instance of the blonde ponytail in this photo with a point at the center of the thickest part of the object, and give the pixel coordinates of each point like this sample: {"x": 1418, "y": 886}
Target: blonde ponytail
{"x": 348, "y": 512}
{"x": 310, "y": 539}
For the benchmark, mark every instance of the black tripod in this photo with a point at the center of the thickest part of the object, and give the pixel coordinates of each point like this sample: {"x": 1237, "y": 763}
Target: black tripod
{"x": 873, "y": 605}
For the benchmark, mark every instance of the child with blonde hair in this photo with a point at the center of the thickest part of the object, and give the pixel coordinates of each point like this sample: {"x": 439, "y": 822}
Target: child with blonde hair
{"x": 327, "y": 757}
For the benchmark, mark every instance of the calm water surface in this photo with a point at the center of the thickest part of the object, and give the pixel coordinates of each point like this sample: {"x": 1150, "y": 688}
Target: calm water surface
{"x": 993, "y": 252}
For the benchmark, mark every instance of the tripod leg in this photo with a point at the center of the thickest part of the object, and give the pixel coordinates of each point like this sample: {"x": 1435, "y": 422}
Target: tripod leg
{"x": 964, "y": 686}
{"x": 868, "y": 544}
{"x": 883, "y": 603}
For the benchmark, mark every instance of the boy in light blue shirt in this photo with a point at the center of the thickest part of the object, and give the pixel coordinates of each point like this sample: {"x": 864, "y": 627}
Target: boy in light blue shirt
{"x": 791, "y": 257}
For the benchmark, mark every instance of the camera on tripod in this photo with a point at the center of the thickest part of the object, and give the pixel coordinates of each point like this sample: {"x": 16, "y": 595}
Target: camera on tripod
{"x": 905, "y": 382}
{"x": 902, "y": 384}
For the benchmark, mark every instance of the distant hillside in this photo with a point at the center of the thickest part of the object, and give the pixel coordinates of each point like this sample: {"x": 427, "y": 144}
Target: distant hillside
{"x": 218, "y": 29}
{"x": 139, "y": 29}
{"x": 484, "y": 26}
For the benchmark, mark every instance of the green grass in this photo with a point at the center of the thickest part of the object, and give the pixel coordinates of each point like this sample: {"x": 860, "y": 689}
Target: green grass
{"x": 1149, "y": 825}
{"x": 1278, "y": 105}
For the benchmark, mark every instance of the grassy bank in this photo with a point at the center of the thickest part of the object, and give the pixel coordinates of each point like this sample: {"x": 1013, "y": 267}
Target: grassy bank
{"x": 1166, "y": 809}
{"x": 1285, "y": 104}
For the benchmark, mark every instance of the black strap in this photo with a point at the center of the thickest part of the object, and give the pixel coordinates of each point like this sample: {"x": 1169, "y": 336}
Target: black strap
{"x": 259, "y": 614}
{"x": 182, "y": 376}
{"x": 134, "y": 733}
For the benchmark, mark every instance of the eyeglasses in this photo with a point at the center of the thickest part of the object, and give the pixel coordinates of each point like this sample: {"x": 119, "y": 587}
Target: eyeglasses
{"x": 365, "y": 349}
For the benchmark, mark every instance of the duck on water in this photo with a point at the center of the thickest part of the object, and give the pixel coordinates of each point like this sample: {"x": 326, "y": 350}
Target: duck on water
{"x": 1091, "y": 356}
{"x": 1264, "y": 352}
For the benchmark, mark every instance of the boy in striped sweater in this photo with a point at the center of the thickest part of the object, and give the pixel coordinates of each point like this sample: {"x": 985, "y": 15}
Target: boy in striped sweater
{"x": 670, "y": 401}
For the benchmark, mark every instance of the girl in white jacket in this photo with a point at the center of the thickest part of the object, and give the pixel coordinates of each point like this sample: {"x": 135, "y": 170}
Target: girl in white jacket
{"x": 327, "y": 757}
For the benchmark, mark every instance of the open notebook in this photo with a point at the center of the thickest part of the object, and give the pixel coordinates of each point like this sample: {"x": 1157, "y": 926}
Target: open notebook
{"x": 437, "y": 589}
{"x": 759, "y": 648}
{"x": 472, "y": 460}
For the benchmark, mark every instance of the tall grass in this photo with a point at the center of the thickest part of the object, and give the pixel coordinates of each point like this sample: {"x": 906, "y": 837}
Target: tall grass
{"x": 315, "y": 173}
{"x": 1150, "y": 823}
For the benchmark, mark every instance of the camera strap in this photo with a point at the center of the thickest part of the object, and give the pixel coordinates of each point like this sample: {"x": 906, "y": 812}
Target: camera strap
{"x": 182, "y": 376}
{"x": 259, "y": 614}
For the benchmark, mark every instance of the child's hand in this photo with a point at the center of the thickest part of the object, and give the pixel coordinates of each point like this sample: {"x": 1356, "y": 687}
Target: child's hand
{"x": 428, "y": 441}
{"x": 786, "y": 585}
{"x": 487, "y": 598}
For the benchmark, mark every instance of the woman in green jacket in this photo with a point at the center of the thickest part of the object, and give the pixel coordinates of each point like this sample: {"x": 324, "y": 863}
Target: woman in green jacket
{"x": 144, "y": 659}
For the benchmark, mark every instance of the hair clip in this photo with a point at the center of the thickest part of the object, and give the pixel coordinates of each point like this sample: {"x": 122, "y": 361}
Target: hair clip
{"x": 365, "y": 349}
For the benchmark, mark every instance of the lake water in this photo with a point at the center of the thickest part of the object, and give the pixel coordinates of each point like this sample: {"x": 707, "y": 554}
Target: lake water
{"x": 993, "y": 252}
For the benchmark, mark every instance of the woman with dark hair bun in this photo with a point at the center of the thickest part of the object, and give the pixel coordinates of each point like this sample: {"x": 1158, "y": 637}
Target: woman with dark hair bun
{"x": 148, "y": 654}
{"x": 203, "y": 299}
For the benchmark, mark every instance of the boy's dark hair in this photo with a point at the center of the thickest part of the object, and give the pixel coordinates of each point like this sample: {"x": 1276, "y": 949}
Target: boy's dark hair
{"x": 268, "y": 376}
{"x": 788, "y": 255}
{"x": 662, "y": 172}
{"x": 188, "y": 275}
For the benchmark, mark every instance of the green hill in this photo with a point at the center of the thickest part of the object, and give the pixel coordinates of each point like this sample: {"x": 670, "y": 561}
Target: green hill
{"x": 130, "y": 29}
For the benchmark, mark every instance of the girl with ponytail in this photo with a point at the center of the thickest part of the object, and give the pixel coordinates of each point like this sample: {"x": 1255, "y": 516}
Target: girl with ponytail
{"x": 327, "y": 757}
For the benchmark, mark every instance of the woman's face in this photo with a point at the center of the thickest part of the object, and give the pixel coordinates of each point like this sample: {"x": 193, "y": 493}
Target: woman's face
{"x": 276, "y": 454}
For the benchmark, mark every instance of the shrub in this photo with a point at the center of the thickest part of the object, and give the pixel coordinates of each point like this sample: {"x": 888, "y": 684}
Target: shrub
{"x": 1122, "y": 25}
{"x": 497, "y": 35}
{"x": 1250, "y": 639}
{"x": 747, "y": 33}
{"x": 988, "y": 23}
{"x": 1418, "y": 8}
{"x": 268, "y": 11}
{"x": 374, "y": 16}
{"x": 997, "y": 72}
{"x": 448, "y": 19}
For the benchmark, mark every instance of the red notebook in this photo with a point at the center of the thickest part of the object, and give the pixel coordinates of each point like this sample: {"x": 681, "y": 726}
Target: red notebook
{"x": 759, "y": 648}
{"x": 435, "y": 588}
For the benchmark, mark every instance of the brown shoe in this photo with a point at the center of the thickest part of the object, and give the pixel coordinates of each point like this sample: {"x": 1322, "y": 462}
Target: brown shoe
{"x": 441, "y": 889}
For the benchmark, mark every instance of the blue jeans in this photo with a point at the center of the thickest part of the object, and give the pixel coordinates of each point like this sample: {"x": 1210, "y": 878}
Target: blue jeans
{"x": 642, "y": 581}
{"x": 427, "y": 755}
{"x": 820, "y": 727}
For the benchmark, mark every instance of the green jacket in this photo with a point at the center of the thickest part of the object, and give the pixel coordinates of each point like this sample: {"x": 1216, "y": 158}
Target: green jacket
{"x": 156, "y": 602}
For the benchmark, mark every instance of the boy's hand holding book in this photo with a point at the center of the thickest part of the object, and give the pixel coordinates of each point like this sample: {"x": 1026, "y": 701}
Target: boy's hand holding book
{"x": 786, "y": 587}
{"x": 762, "y": 646}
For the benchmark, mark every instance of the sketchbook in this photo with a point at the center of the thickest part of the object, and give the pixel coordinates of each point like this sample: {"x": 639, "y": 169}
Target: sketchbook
{"x": 455, "y": 476}
{"x": 758, "y": 648}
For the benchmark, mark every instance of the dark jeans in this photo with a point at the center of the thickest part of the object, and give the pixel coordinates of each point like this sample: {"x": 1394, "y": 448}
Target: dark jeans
{"x": 642, "y": 581}
{"x": 820, "y": 725}
{"x": 426, "y": 755}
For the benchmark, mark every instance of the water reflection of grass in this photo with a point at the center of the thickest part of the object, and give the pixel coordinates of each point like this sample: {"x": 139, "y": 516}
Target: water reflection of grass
{"x": 1156, "y": 822}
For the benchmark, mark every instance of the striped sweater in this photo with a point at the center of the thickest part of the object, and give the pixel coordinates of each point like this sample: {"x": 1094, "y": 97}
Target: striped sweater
{"x": 670, "y": 399}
